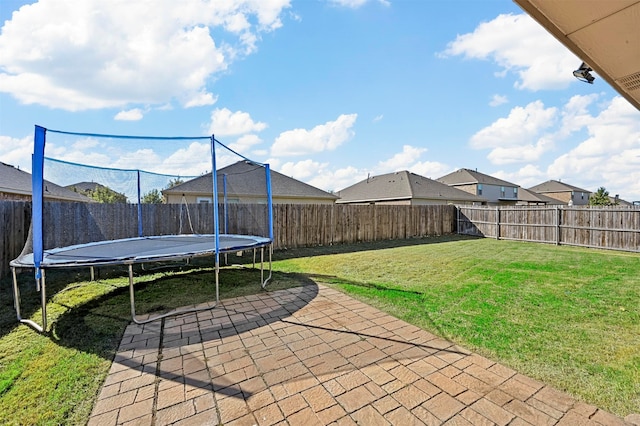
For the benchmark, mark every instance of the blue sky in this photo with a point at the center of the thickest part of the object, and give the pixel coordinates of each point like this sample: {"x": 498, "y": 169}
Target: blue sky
{"x": 325, "y": 91}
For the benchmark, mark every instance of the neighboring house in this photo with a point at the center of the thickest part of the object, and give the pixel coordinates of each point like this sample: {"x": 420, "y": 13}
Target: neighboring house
{"x": 404, "y": 188}
{"x": 97, "y": 191}
{"x": 567, "y": 194}
{"x": 616, "y": 200}
{"x": 246, "y": 183}
{"x": 529, "y": 198}
{"x": 84, "y": 188}
{"x": 496, "y": 191}
{"x": 15, "y": 184}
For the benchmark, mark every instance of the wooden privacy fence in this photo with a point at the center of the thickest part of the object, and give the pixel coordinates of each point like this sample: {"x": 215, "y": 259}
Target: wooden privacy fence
{"x": 613, "y": 228}
{"x": 295, "y": 225}
{"x": 15, "y": 218}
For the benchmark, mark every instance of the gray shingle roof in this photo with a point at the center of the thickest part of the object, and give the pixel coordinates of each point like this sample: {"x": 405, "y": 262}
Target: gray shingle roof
{"x": 15, "y": 181}
{"x": 467, "y": 176}
{"x": 555, "y": 186}
{"x": 533, "y": 197}
{"x": 84, "y": 187}
{"x": 247, "y": 179}
{"x": 403, "y": 185}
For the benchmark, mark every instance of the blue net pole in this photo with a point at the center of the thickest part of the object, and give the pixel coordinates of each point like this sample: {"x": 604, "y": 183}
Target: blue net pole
{"x": 269, "y": 200}
{"x": 224, "y": 200}
{"x": 216, "y": 220}
{"x": 37, "y": 180}
{"x": 140, "y": 230}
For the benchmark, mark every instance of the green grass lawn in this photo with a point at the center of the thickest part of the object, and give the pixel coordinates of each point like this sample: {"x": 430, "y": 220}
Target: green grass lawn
{"x": 568, "y": 317}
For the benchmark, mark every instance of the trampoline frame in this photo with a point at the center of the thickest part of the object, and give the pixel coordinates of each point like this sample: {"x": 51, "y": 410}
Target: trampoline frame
{"x": 26, "y": 262}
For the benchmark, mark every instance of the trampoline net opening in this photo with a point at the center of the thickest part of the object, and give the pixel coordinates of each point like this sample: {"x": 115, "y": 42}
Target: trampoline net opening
{"x": 102, "y": 188}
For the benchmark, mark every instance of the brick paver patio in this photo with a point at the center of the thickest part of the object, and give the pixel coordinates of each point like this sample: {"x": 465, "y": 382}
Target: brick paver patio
{"x": 314, "y": 356}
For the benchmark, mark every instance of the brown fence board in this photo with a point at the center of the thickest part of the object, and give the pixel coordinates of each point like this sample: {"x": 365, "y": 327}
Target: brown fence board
{"x": 613, "y": 228}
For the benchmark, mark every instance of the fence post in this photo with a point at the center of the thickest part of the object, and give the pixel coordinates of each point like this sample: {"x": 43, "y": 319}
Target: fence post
{"x": 557, "y": 225}
{"x": 497, "y": 222}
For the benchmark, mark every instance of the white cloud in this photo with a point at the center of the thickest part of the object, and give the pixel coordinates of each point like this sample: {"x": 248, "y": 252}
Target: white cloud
{"x": 497, "y": 100}
{"x": 519, "y": 45}
{"x": 302, "y": 170}
{"x": 201, "y": 99}
{"x": 324, "y": 137}
{"x": 320, "y": 175}
{"x": 400, "y": 161}
{"x": 609, "y": 157}
{"x": 575, "y": 114}
{"x": 245, "y": 143}
{"x": 129, "y": 115}
{"x": 409, "y": 159}
{"x": 355, "y": 4}
{"x": 227, "y": 123}
{"x": 193, "y": 160}
{"x": 527, "y": 176}
{"x": 16, "y": 151}
{"x": 518, "y": 137}
{"x": 88, "y": 54}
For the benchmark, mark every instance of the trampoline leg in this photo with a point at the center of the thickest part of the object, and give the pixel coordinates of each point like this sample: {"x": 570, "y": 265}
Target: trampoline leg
{"x": 16, "y": 304}
{"x": 264, "y": 282}
{"x": 173, "y": 313}
{"x": 217, "y": 281}
{"x": 43, "y": 300}
{"x": 132, "y": 297}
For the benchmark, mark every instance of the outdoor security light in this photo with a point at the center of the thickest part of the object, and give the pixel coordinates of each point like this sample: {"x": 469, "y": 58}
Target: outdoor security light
{"x": 583, "y": 73}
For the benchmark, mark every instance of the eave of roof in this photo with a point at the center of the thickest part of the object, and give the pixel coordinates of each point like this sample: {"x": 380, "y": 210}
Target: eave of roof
{"x": 603, "y": 34}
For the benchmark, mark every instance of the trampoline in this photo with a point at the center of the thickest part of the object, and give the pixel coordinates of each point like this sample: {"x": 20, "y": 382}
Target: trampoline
{"x": 139, "y": 250}
{"x": 109, "y": 247}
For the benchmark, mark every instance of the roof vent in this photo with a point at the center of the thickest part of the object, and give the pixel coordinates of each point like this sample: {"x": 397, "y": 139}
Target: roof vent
{"x": 631, "y": 82}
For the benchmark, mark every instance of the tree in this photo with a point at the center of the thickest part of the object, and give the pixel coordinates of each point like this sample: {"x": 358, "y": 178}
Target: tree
{"x": 174, "y": 182}
{"x": 153, "y": 197}
{"x": 600, "y": 198}
{"x": 102, "y": 194}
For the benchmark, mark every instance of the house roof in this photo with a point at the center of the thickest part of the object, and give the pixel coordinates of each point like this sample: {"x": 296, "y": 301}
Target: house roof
{"x": 532, "y": 197}
{"x": 620, "y": 202}
{"x": 469, "y": 177}
{"x": 403, "y": 185}
{"x": 555, "y": 186}
{"x": 603, "y": 34}
{"x": 84, "y": 187}
{"x": 16, "y": 181}
{"x": 247, "y": 179}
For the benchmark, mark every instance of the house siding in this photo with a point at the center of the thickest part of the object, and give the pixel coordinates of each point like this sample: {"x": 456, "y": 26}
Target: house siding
{"x": 470, "y": 188}
{"x": 14, "y": 197}
{"x": 579, "y": 198}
